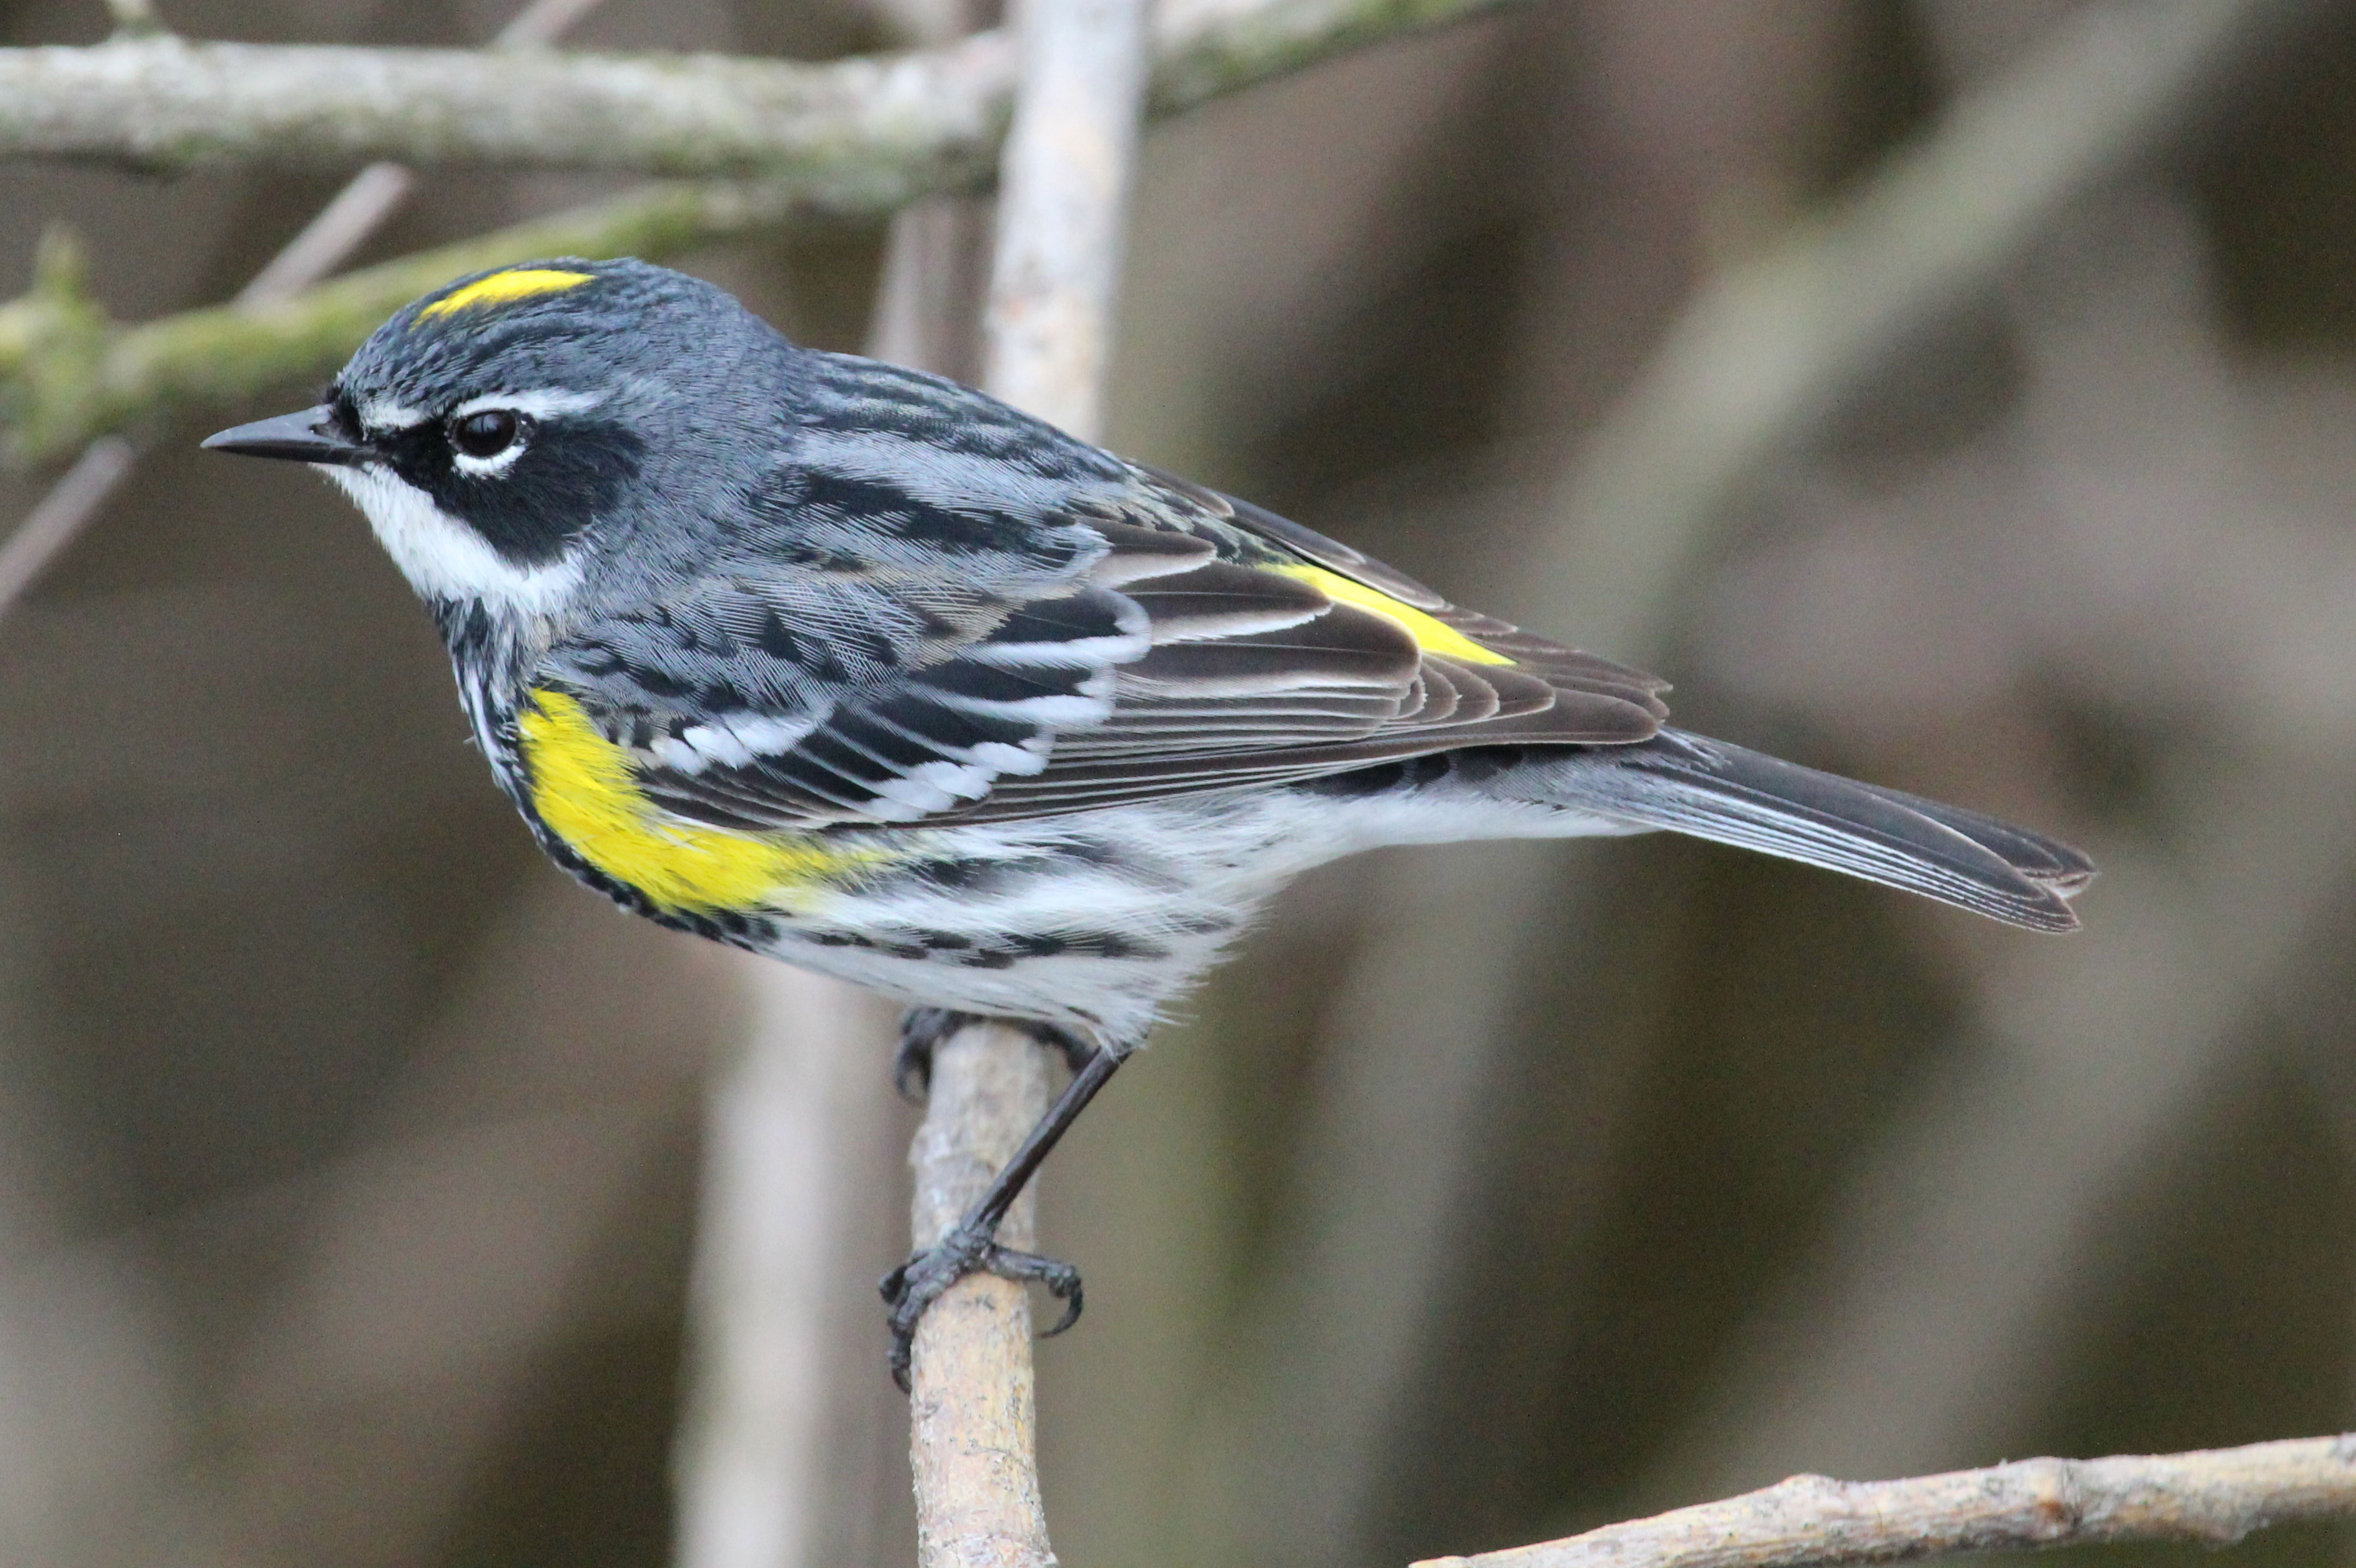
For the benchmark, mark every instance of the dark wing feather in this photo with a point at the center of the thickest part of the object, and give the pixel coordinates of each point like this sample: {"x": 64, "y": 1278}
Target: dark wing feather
{"x": 1154, "y": 639}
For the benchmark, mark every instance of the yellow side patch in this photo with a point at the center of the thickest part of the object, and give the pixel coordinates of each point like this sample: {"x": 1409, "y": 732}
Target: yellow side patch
{"x": 1431, "y": 634}
{"x": 583, "y": 788}
{"x": 500, "y": 288}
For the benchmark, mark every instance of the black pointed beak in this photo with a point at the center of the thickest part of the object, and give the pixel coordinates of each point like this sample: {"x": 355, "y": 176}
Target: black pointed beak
{"x": 307, "y": 437}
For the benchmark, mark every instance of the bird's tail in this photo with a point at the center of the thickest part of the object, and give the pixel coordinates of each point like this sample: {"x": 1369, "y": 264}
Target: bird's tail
{"x": 1712, "y": 790}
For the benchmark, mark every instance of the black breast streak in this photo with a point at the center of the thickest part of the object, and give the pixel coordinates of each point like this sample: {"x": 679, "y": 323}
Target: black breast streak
{"x": 467, "y": 629}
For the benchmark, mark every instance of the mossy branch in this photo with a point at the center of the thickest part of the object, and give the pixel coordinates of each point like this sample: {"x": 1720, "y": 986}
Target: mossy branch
{"x": 68, "y": 374}
{"x": 166, "y": 103}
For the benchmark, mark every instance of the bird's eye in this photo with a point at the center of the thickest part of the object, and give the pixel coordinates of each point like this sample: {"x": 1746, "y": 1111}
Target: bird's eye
{"x": 487, "y": 433}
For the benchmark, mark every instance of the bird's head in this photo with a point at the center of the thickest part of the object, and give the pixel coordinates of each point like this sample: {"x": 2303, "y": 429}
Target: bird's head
{"x": 506, "y": 432}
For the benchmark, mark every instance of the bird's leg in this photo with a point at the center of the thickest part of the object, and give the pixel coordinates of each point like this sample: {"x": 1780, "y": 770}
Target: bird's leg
{"x": 971, "y": 1244}
{"x": 922, "y": 1029}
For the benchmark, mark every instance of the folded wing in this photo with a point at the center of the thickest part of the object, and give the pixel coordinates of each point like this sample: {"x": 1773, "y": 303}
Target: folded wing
{"x": 1167, "y": 641}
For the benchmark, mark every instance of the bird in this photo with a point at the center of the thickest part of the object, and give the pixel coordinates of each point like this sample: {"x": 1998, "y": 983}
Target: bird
{"x": 861, "y": 669}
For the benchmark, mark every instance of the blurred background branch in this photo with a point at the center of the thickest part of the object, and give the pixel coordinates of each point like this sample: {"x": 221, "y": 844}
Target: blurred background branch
{"x": 322, "y": 245}
{"x": 1775, "y": 342}
{"x": 1799, "y": 323}
{"x": 857, "y": 131}
{"x": 797, "y": 1141}
{"x": 133, "y": 18}
{"x": 855, "y": 136}
{"x": 805, "y": 1135}
{"x": 68, "y": 375}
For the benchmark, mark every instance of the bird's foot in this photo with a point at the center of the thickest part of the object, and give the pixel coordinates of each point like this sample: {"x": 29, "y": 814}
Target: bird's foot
{"x": 923, "y": 1028}
{"x": 916, "y": 1284}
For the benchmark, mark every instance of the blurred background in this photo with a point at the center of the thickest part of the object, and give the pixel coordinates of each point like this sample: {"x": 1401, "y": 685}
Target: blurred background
{"x": 350, "y": 1156}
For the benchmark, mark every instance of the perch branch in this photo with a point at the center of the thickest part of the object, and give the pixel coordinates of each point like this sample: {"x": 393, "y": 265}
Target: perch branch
{"x": 864, "y": 133}
{"x": 2214, "y": 1497}
{"x": 1062, "y": 206}
{"x": 972, "y": 1422}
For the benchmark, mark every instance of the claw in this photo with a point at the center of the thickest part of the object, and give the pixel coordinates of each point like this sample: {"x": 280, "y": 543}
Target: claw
{"x": 1076, "y": 1046}
{"x": 1063, "y": 1284}
{"x": 969, "y": 1246}
{"x": 924, "y": 1278}
{"x": 921, "y": 1033}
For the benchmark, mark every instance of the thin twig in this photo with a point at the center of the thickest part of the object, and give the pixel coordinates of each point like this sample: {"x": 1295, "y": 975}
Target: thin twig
{"x": 1063, "y": 209}
{"x": 341, "y": 227}
{"x": 1063, "y": 205}
{"x": 62, "y": 514}
{"x": 2215, "y": 1497}
{"x": 972, "y": 1421}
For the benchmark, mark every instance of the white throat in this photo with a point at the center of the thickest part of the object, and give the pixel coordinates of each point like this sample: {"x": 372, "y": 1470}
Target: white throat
{"x": 444, "y": 558}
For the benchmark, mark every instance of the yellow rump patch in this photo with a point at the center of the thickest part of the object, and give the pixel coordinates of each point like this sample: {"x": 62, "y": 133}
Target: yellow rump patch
{"x": 500, "y": 288}
{"x": 583, "y": 788}
{"x": 1431, "y": 634}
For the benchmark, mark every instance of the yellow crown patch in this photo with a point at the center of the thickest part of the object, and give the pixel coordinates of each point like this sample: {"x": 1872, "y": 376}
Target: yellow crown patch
{"x": 503, "y": 288}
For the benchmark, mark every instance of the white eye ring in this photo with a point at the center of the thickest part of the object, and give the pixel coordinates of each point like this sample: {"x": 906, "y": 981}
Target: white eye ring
{"x": 488, "y": 441}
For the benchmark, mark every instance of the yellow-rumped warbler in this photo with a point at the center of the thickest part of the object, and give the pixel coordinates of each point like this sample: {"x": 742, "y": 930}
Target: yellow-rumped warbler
{"x": 863, "y": 669}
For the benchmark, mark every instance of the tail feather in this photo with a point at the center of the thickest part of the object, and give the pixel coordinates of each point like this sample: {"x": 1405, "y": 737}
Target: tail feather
{"x": 2041, "y": 859}
{"x": 1715, "y": 791}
